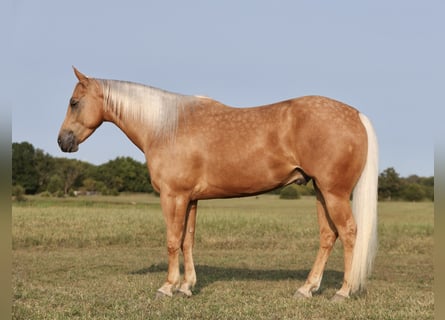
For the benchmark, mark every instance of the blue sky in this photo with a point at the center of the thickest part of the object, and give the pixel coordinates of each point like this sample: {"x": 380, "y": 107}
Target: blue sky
{"x": 385, "y": 58}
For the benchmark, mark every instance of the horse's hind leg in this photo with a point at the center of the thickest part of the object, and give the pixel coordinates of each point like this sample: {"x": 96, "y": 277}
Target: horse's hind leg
{"x": 340, "y": 212}
{"x": 328, "y": 235}
{"x": 187, "y": 249}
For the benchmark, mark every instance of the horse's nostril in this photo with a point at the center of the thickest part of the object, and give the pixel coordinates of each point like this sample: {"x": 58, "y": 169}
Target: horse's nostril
{"x": 67, "y": 141}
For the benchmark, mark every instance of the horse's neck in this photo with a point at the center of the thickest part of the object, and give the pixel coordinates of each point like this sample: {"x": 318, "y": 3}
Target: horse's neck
{"x": 144, "y": 113}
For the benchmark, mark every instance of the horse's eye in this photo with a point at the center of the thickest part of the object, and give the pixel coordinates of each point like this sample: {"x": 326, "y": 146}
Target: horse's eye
{"x": 73, "y": 102}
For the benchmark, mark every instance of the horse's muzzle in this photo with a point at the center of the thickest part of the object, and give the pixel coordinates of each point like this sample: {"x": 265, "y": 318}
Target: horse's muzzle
{"x": 67, "y": 141}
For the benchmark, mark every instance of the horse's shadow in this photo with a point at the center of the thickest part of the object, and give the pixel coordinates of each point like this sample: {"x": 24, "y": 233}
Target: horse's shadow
{"x": 210, "y": 274}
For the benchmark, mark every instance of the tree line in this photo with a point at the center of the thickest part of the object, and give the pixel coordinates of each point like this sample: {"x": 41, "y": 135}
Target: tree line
{"x": 37, "y": 172}
{"x": 34, "y": 171}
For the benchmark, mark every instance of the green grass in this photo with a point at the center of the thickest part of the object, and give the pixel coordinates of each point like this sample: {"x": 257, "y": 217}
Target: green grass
{"x": 105, "y": 257}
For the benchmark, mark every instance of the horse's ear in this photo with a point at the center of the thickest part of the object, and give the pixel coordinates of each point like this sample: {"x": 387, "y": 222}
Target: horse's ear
{"x": 80, "y": 76}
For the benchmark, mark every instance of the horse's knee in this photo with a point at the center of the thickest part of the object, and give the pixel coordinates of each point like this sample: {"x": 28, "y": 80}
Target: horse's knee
{"x": 173, "y": 247}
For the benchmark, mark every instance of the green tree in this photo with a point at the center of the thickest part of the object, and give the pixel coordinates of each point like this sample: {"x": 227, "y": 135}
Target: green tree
{"x": 24, "y": 170}
{"x": 90, "y": 184}
{"x": 390, "y": 184}
{"x": 425, "y": 183}
{"x": 71, "y": 173}
{"x": 428, "y": 186}
{"x": 37, "y": 171}
{"x": 123, "y": 174}
{"x": 55, "y": 184}
{"x": 45, "y": 166}
{"x": 412, "y": 192}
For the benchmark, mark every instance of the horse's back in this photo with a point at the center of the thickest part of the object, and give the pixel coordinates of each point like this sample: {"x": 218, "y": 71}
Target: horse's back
{"x": 248, "y": 150}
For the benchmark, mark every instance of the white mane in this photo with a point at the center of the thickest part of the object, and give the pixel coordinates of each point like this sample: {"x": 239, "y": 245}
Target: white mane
{"x": 157, "y": 108}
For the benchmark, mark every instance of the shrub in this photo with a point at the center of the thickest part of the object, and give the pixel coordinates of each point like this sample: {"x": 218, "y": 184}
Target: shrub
{"x": 60, "y": 194}
{"x": 45, "y": 194}
{"x": 289, "y": 192}
{"x": 18, "y": 192}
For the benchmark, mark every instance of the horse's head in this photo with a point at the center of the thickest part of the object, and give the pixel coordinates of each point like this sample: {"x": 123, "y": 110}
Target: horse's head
{"x": 84, "y": 115}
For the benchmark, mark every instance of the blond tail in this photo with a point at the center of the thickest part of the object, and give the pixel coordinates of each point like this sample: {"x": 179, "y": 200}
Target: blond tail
{"x": 364, "y": 207}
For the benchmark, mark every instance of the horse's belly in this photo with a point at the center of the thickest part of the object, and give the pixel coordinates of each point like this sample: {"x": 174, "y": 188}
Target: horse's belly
{"x": 246, "y": 180}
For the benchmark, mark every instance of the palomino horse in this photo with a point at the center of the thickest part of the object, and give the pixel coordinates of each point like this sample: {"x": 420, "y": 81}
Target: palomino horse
{"x": 198, "y": 148}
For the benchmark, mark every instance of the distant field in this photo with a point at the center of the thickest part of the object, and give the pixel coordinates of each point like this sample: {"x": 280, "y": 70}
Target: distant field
{"x": 105, "y": 257}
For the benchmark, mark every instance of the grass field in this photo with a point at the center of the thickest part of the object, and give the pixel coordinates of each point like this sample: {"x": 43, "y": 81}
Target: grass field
{"x": 105, "y": 257}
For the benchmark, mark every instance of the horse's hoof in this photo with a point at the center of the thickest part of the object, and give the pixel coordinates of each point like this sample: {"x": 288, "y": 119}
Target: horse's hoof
{"x": 161, "y": 295}
{"x": 301, "y": 296}
{"x": 184, "y": 293}
{"x": 338, "y": 298}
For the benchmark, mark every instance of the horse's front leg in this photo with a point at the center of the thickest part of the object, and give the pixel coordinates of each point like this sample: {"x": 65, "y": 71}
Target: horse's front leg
{"x": 174, "y": 209}
{"x": 187, "y": 249}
